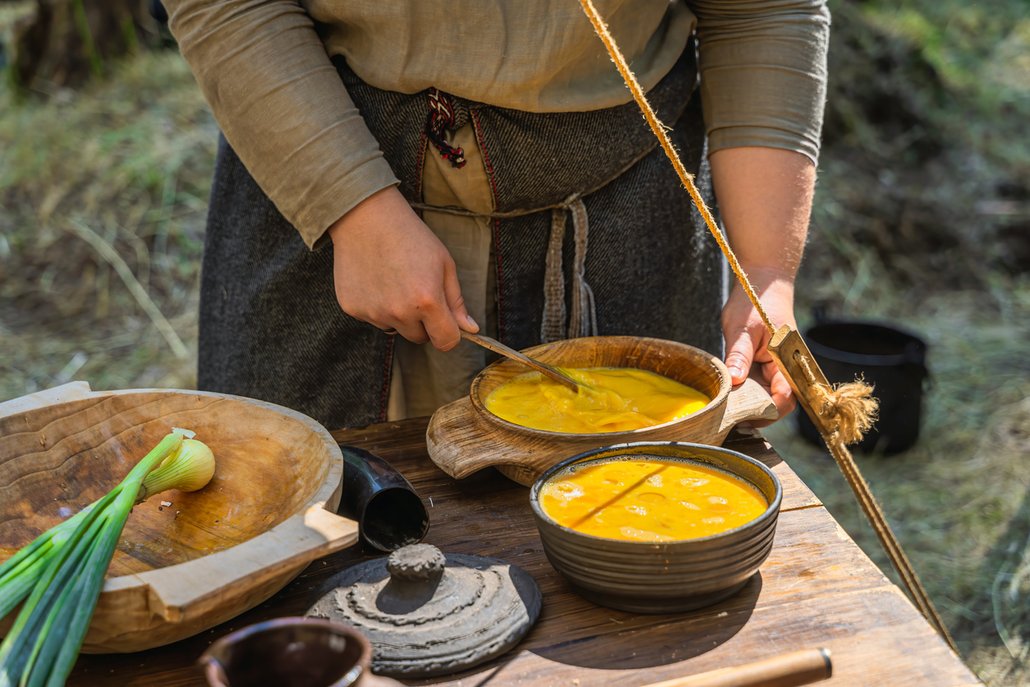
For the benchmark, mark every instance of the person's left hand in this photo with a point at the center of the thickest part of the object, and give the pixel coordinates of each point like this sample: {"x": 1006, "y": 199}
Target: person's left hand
{"x": 747, "y": 337}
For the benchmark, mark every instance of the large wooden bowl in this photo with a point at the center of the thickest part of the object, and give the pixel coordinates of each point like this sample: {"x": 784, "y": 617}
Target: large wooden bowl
{"x": 210, "y": 555}
{"x": 464, "y": 437}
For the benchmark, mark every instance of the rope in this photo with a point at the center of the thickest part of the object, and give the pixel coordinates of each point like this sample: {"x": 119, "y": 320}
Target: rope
{"x": 582, "y": 320}
{"x": 845, "y": 412}
{"x": 583, "y": 315}
{"x": 552, "y": 324}
{"x": 848, "y": 409}
{"x": 686, "y": 178}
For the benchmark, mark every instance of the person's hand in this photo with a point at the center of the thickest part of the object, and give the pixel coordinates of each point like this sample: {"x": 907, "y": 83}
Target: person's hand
{"x": 747, "y": 337}
{"x": 390, "y": 270}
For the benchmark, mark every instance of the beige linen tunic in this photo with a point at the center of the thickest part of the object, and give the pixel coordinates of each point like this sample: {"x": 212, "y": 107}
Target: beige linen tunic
{"x": 264, "y": 68}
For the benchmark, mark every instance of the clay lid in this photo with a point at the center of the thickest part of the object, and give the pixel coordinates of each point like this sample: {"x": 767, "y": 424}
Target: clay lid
{"x": 427, "y": 614}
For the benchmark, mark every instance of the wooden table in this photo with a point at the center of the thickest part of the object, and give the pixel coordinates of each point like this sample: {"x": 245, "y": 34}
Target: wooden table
{"x": 817, "y": 589}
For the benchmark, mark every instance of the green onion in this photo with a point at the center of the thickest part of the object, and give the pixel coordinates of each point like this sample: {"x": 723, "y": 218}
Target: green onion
{"x": 60, "y": 574}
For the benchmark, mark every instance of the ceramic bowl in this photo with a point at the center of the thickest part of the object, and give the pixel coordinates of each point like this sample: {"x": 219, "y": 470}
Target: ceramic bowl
{"x": 292, "y": 651}
{"x": 465, "y": 436}
{"x": 661, "y": 577}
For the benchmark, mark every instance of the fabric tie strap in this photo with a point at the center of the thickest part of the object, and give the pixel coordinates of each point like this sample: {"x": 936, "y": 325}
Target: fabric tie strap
{"x": 583, "y": 318}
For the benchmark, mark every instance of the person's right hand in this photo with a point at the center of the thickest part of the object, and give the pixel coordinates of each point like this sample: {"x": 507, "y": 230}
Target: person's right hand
{"x": 391, "y": 271}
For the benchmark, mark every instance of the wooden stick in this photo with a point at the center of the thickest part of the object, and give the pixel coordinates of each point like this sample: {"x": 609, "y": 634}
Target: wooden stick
{"x": 785, "y": 670}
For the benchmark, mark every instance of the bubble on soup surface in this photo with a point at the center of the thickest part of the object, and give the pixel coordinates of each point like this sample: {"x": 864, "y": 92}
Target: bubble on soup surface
{"x": 642, "y": 535}
{"x": 567, "y": 490}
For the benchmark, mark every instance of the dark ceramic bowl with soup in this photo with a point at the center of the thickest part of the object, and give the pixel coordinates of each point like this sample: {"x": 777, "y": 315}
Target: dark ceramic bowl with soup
{"x": 666, "y": 574}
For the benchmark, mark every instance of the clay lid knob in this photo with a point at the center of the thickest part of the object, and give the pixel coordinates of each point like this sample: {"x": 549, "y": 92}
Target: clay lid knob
{"x": 416, "y": 562}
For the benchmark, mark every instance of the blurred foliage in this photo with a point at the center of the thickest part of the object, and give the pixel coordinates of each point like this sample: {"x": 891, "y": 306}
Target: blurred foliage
{"x": 922, "y": 217}
{"x": 925, "y": 158}
{"x": 63, "y": 43}
{"x": 129, "y": 158}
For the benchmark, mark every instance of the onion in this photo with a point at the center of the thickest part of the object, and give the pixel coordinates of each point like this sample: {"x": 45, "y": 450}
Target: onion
{"x": 61, "y": 572}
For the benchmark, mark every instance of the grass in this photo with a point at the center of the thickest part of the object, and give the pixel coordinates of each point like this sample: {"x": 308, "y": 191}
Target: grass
{"x": 921, "y": 218}
{"x": 127, "y": 162}
{"x": 959, "y": 500}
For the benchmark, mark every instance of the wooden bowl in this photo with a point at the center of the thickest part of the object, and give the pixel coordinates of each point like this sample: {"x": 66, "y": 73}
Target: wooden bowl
{"x": 210, "y": 555}
{"x": 663, "y": 577}
{"x": 464, "y": 437}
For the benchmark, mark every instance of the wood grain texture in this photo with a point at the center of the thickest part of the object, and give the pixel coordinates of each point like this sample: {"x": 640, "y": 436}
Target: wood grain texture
{"x": 464, "y": 437}
{"x": 72, "y": 391}
{"x": 209, "y": 555}
{"x": 787, "y": 343}
{"x": 816, "y": 589}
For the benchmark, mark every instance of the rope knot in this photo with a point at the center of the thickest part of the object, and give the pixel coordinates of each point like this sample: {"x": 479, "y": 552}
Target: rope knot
{"x": 848, "y": 410}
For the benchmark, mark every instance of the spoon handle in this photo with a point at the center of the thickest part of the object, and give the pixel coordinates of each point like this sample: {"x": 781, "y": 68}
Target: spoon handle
{"x": 544, "y": 369}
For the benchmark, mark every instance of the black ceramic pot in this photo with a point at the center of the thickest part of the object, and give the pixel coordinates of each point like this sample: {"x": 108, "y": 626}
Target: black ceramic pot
{"x": 889, "y": 358}
{"x": 661, "y": 577}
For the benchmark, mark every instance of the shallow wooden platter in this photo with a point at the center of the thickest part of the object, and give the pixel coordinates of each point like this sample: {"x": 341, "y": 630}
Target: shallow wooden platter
{"x": 185, "y": 562}
{"x": 464, "y": 437}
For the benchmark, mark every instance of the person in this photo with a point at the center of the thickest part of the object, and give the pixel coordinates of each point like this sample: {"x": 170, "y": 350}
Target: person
{"x": 394, "y": 172}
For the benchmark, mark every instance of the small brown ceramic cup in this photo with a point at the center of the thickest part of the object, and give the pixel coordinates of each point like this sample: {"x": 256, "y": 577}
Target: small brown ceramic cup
{"x": 289, "y": 652}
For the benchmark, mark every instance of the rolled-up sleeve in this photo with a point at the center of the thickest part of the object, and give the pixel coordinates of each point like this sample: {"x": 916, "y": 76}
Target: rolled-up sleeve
{"x": 282, "y": 106}
{"x": 763, "y": 72}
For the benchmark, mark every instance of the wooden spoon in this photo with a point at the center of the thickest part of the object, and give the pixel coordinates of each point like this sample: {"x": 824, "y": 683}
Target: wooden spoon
{"x": 548, "y": 371}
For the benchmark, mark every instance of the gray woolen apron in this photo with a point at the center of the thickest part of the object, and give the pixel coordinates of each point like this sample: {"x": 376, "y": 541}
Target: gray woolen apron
{"x": 270, "y": 326}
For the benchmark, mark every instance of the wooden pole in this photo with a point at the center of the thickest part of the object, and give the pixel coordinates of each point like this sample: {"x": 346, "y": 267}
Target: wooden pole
{"x": 785, "y": 670}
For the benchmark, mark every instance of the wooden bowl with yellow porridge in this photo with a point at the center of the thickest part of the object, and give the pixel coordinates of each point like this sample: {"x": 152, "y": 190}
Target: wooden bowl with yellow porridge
{"x": 657, "y": 527}
{"x": 637, "y": 389}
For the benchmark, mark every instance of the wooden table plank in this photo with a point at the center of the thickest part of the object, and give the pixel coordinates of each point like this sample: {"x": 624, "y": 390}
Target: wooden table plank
{"x": 816, "y": 589}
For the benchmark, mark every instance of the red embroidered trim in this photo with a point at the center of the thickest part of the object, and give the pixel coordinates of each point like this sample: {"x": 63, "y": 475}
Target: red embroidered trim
{"x": 440, "y": 119}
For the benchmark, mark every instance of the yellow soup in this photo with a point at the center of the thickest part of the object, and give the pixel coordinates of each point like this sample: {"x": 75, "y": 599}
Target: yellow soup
{"x": 616, "y": 399}
{"x": 651, "y": 500}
